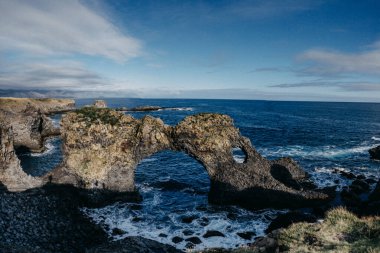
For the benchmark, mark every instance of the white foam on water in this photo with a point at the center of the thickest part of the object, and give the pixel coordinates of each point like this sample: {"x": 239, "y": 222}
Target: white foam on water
{"x": 321, "y": 152}
{"x": 239, "y": 158}
{"x": 49, "y": 148}
{"x": 325, "y": 177}
{"x": 375, "y": 138}
{"x": 179, "y": 109}
{"x": 115, "y": 216}
{"x": 148, "y": 160}
{"x": 56, "y": 122}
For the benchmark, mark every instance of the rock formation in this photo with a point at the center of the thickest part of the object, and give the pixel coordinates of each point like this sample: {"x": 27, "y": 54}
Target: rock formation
{"x": 375, "y": 153}
{"x": 11, "y": 173}
{"x": 102, "y": 148}
{"x": 29, "y": 121}
{"x": 100, "y": 104}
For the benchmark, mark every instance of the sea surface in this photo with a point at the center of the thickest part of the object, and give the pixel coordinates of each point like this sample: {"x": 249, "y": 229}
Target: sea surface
{"x": 322, "y": 137}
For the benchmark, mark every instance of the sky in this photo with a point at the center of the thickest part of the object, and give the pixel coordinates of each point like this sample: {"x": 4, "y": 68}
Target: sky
{"x": 318, "y": 50}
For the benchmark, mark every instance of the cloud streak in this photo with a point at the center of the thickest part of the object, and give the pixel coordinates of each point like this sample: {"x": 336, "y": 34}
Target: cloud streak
{"x": 345, "y": 86}
{"x": 326, "y": 62}
{"x": 42, "y": 27}
{"x": 63, "y": 75}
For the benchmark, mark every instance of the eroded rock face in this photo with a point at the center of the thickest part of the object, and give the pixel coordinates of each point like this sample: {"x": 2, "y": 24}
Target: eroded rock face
{"x": 29, "y": 121}
{"x": 11, "y": 173}
{"x": 103, "y": 147}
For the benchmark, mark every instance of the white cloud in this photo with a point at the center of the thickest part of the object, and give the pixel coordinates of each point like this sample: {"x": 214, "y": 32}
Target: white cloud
{"x": 43, "y": 27}
{"x": 62, "y": 75}
{"x": 326, "y": 62}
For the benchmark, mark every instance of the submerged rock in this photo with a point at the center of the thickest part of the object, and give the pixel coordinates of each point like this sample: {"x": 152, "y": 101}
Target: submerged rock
{"x": 375, "y": 153}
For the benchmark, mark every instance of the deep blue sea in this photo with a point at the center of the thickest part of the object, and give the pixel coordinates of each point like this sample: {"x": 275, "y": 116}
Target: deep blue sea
{"x": 320, "y": 136}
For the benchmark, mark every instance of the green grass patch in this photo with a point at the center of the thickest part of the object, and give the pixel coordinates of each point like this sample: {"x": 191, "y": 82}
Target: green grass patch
{"x": 340, "y": 232}
{"x": 99, "y": 115}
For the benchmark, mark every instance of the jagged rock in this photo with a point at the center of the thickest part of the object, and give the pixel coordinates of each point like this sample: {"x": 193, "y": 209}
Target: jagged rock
{"x": 28, "y": 120}
{"x": 375, "y": 153}
{"x": 11, "y": 173}
{"x": 100, "y": 104}
{"x": 102, "y": 148}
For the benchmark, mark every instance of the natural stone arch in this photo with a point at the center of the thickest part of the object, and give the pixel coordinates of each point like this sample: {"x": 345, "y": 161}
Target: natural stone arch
{"x": 102, "y": 149}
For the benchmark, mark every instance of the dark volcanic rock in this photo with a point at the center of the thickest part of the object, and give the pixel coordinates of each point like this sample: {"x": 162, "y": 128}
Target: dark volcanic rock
{"x": 177, "y": 239}
{"x": 285, "y": 220}
{"x": 194, "y": 240}
{"x": 133, "y": 245}
{"x": 375, "y": 195}
{"x": 246, "y": 235}
{"x": 359, "y": 186}
{"x": 375, "y": 153}
{"x": 213, "y": 233}
{"x": 118, "y": 231}
{"x": 47, "y": 220}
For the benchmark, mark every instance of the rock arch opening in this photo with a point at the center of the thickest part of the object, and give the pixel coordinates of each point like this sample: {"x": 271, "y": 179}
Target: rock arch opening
{"x": 172, "y": 171}
{"x": 38, "y": 164}
{"x": 239, "y": 155}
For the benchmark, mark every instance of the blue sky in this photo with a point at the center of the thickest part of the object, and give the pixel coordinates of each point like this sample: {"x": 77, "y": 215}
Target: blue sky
{"x": 259, "y": 49}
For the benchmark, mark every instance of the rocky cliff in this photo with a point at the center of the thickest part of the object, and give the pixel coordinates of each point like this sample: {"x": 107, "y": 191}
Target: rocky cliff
{"x": 29, "y": 121}
{"x": 11, "y": 173}
{"x": 102, "y": 148}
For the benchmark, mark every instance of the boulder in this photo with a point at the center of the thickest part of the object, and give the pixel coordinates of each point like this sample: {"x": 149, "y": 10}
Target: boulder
{"x": 375, "y": 153}
{"x": 102, "y": 148}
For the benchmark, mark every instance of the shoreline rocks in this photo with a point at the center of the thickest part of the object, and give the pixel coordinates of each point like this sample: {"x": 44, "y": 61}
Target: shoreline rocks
{"x": 375, "y": 153}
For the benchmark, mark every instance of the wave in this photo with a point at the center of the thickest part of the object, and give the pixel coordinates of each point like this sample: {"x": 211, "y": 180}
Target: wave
{"x": 177, "y": 109}
{"x": 319, "y": 152}
{"x": 375, "y": 138}
{"x": 49, "y": 148}
{"x": 148, "y": 225}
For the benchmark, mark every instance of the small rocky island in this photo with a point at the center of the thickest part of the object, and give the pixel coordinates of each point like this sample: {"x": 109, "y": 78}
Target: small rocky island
{"x": 102, "y": 148}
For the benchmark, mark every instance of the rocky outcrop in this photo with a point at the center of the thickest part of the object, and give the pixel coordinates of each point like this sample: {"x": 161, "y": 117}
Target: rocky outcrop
{"x": 11, "y": 173}
{"x": 29, "y": 121}
{"x": 103, "y": 147}
{"x": 100, "y": 104}
{"x": 375, "y": 153}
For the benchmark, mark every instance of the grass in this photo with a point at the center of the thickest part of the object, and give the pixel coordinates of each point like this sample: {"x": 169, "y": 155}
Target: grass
{"x": 99, "y": 115}
{"x": 340, "y": 232}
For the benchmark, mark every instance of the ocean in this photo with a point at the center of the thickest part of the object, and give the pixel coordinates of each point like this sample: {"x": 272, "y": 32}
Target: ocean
{"x": 320, "y": 136}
